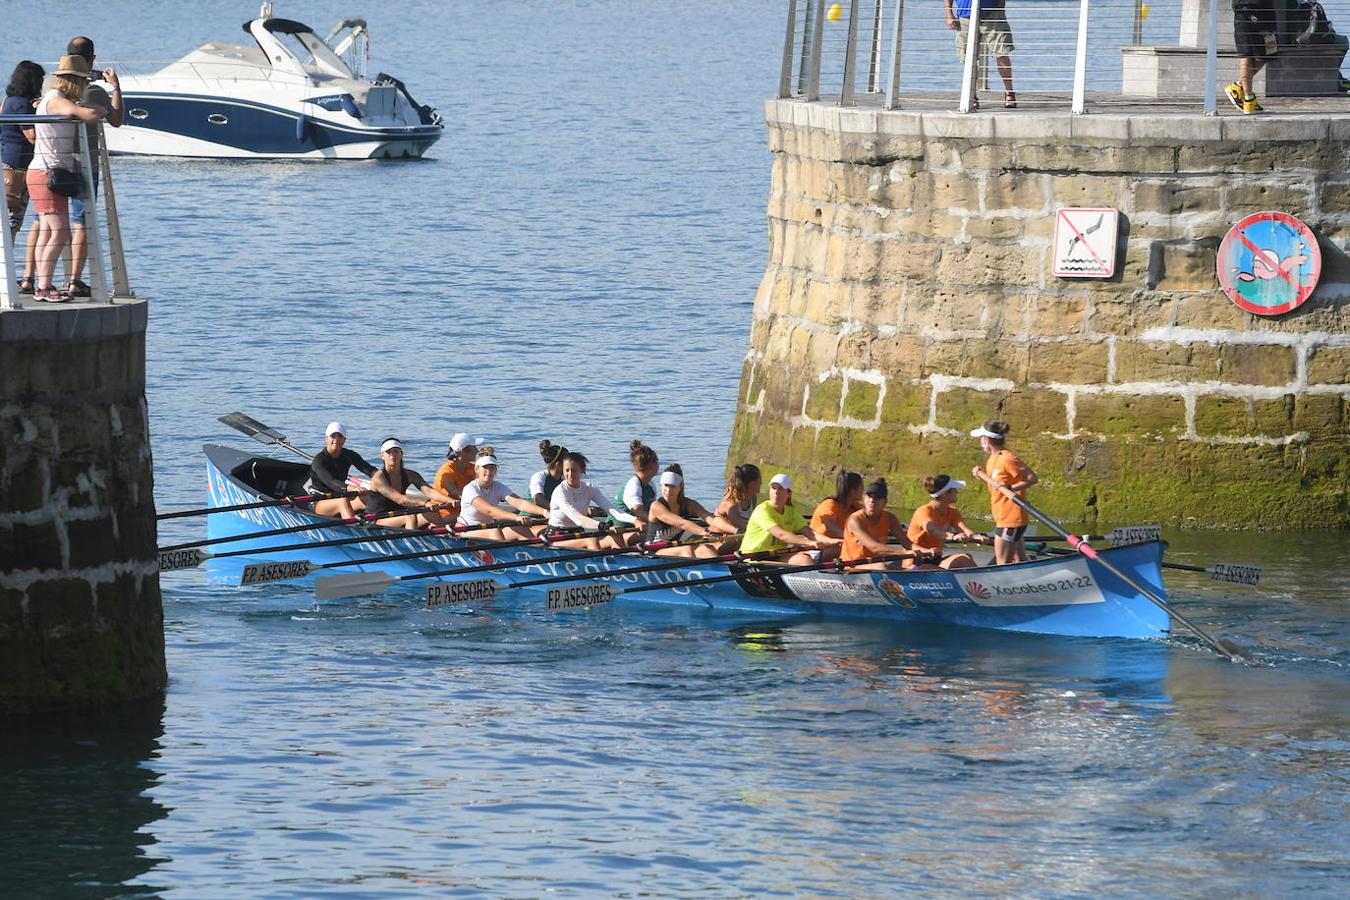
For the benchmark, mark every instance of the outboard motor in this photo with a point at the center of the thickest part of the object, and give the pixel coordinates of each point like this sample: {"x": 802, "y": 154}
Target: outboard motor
{"x": 426, "y": 114}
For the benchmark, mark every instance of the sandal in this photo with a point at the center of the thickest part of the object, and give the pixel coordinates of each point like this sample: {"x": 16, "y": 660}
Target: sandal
{"x": 50, "y": 295}
{"x": 1010, "y": 99}
{"x": 25, "y": 285}
{"x": 78, "y": 288}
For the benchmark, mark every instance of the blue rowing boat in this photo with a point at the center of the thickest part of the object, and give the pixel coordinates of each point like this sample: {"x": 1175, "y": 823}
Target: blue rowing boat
{"x": 1063, "y": 595}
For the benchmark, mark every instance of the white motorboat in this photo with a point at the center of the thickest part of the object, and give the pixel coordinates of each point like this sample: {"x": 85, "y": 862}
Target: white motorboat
{"x": 293, "y": 96}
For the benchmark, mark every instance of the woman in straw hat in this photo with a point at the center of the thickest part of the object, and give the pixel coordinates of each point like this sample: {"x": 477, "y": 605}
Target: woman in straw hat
{"x": 54, "y": 148}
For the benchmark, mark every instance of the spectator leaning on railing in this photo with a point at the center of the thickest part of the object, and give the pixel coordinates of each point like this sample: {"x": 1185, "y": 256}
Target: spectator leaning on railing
{"x": 52, "y": 177}
{"x": 995, "y": 36}
{"x": 96, "y": 97}
{"x": 16, "y": 148}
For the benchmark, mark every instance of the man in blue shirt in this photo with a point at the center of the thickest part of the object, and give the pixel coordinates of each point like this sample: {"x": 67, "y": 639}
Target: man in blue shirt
{"x": 995, "y": 36}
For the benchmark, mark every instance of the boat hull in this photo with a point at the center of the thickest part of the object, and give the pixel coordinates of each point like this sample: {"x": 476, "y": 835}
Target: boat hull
{"x": 202, "y": 126}
{"x": 1061, "y": 595}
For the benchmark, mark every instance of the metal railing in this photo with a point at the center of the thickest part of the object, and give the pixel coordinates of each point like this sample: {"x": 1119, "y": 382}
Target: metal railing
{"x": 1068, "y": 53}
{"x": 106, "y": 259}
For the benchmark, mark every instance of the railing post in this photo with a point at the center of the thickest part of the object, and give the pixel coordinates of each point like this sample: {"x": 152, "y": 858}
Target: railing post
{"x": 813, "y": 69}
{"x": 804, "y": 59}
{"x": 116, "y": 257}
{"x": 893, "y": 89}
{"x": 98, "y": 273}
{"x": 1212, "y": 60}
{"x": 9, "y": 291}
{"x": 1080, "y": 63}
{"x": 850, "y": 55}
{"x": 785, "y": 77}
{"x": 874, "y": 57}
{"x": 972, "y": 58}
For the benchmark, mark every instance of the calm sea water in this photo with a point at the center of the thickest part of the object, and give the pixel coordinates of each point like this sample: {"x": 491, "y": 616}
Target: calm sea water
{"x": 578, "y": 262}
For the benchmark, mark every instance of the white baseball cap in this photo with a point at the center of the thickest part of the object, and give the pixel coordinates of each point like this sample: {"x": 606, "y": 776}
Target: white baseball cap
{"x": 482, "y": 461}
{"x": 335, "y": 428}
{"x": 674, "y": 479}
{"x": 390, "y": 444}
{"x": 782, "y": 481}
{"x": 985, "y": 432}
{"x": 463, "y": 439}
{"x": 951, "y": 484}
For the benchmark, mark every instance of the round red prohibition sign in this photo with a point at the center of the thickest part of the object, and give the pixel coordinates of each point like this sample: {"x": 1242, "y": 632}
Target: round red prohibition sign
{"x": 1269, "y": 263}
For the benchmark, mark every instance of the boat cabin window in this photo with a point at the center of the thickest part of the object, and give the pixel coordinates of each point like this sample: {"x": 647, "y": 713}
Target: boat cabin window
{"x": 311, "y": 51}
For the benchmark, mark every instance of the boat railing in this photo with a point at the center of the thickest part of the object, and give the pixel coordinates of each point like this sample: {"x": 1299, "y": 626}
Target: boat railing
{"x": 203, "y": 71}
{"x": 103, "y": 235}
{"x": 1067, "y": 54}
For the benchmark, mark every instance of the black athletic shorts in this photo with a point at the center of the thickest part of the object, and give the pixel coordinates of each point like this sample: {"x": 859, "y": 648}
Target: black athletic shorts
{"x": 1252, "y": 22}
{"x": 1010, "y": 534}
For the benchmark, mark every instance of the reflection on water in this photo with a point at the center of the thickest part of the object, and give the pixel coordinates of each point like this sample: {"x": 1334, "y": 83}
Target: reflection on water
{"x": 77, "y": 795}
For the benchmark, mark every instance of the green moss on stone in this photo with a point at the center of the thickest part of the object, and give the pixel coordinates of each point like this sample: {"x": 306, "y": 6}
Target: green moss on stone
{"x": 822, "y": 403}
{"x": 1130, "y": 415}
{"x": 860, "y": 402}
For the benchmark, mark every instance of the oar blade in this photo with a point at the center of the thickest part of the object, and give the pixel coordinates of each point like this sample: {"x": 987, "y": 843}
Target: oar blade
{"x": 335, "y": 587}
{"x": 252, "y": 427}
{"x": 1231, "y": 573}
{"x": 1135, "y": 534}
{"x": 448, "y": 593}
{"x": 579, "y": 595}
{"x": 173, "y": 560}
{"x": 266, "y": 573}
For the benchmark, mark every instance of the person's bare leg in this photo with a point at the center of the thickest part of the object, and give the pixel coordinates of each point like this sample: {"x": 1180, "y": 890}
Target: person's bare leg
{"x": 79, "y": 250}
{"x": 30, "y": 248}
{"x": 1005, "y": 72}
{"x": 54, "y": 232}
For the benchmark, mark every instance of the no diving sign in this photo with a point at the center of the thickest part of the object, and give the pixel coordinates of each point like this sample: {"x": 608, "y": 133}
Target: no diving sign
{"x": 1085, "y": 243}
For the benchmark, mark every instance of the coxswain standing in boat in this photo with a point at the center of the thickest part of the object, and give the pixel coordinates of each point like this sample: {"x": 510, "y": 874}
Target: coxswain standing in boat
{"x": 328, "y": 473}
{"x": 938, "y": 519}
{"x": 740, "y": 497}
{"x": 544, "y": 482}
{"x": 672, "y": 518}
{"x": 1004, "y": 469}
{"x": 389, "y": 487}
{"x": 776, "y": 527}
{"x": 579, "y": 504}
{"x": 875, "y": 531}
{"x": 483, "y": 505}
{"x": 831, "y": 514}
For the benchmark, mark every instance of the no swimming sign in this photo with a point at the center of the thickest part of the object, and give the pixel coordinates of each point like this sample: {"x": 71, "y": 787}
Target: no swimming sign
{"x": 1085, "y": 243}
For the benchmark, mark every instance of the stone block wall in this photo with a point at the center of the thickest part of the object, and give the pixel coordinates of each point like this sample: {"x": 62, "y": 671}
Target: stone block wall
{"x": 80, "y": 617}
{"x": 909, "y": 296}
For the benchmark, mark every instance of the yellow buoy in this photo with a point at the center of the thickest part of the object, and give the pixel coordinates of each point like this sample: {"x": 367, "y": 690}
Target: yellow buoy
{"x": 836, "y": 12}
{"x": 1143, "y": 11}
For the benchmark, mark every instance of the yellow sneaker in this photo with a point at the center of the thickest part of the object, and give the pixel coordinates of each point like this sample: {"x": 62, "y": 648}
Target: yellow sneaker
{"x": 1249, "y": 105}
{"x": 1234, "y": 92}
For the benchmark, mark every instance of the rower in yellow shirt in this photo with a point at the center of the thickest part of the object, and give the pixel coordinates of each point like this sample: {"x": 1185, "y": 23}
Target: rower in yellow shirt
{"x": 777, "y": 526}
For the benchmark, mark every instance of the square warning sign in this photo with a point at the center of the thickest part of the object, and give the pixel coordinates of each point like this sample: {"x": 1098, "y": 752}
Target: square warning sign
{"x": 1085, "y": 243}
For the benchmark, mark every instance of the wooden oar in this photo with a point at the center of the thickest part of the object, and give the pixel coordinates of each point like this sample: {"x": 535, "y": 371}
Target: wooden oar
{"x": 334, "y": 587}
{"x": 603, "y": 591}
{"x": 261, "y": 433}
{"x": 1226, "y": 648}
{"x": 264, "y": 573}
{"x": 190, "y": 558}
{"x": 1227, "y": 573}
{"x": 299, "y": 500}
{"x": 359, "y": 519}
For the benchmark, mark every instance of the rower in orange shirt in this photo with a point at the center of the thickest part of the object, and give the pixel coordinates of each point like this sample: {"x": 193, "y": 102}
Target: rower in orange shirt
{"x": 457, "y": 471}
{"x": 874, "y": 531}
{"x": 1004, "y": 469}
{"x": 831, "y": 514}
{"x": 933, "y": 522}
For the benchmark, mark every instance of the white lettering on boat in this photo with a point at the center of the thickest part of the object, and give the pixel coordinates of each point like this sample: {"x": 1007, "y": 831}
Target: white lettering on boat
{"x": 1060, "y": 586}
{"x": 265, "y": 573}
{"x": 579, "y": 595}
{"x": 444, "y": 593}
{"x": 835, "y": 589}
{"x": 1137, "y": 534}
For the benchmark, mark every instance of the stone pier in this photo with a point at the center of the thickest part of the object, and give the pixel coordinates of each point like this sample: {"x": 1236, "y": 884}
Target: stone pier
{"x": 80, "y": 618}
{"x": 908, "y": 297}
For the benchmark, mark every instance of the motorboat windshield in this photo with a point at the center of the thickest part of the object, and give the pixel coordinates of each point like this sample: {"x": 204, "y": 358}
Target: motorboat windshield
{"x": 293, "y": 46}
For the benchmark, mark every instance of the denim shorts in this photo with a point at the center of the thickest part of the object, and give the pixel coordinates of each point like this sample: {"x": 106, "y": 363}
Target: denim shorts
{"x": 77, "y": 205}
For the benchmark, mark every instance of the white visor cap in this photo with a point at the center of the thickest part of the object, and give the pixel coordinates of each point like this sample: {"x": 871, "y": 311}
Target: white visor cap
{"x": 335, "y": 428}
{"x": 484, "y": 461}
{"x": 782, "y": 481}
{"x": 985, "y": 432}
{"x": 952, "y": 485}
{"x": 464, "y": 439}
{"x": 390, "y": 444}
{"x": 674, "y": 479}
